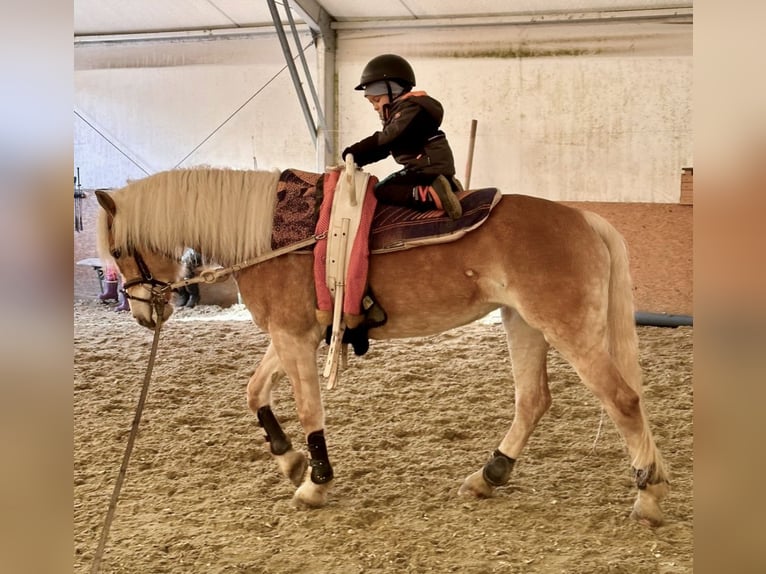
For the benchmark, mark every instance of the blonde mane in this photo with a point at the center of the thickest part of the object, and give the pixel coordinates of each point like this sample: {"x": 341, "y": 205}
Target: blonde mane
{"x": 225, "y": 214}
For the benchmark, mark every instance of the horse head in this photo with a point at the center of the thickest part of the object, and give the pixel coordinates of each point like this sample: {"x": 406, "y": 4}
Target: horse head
{"x": 147, "y": 275}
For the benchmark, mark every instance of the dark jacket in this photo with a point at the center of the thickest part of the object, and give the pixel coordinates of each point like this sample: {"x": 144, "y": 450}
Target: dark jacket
{"x": 412, "y": 135}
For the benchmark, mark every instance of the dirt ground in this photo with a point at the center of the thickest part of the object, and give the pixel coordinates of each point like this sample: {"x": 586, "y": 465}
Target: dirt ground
{"x": 407, "y": 423}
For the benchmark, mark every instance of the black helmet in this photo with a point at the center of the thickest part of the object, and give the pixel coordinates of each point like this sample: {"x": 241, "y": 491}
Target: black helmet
{"x": 387, "y": 67}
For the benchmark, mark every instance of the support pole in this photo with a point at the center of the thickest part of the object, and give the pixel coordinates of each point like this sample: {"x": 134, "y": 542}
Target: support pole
{"x": 321, "y": 24}
{"x": 469, "y": 162}
{"x": 293, "y": 70}
{"x": 306, "y": 72}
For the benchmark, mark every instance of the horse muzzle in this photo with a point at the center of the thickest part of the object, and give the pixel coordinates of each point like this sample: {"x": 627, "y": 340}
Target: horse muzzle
{"x": 149, "y": 304}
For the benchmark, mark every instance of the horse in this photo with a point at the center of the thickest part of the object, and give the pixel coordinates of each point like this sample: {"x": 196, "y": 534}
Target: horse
{"x": 559, "y": 276}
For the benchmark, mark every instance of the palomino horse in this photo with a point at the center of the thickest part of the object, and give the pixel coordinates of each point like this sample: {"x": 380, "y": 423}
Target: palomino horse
{"x": 559, "y": 276}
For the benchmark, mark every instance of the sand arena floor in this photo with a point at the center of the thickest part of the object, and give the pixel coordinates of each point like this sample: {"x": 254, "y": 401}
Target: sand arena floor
{"x": 407, "y": 423}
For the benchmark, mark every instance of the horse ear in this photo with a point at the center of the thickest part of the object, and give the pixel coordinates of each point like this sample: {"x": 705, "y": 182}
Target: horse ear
{"x": 106, "y": 201}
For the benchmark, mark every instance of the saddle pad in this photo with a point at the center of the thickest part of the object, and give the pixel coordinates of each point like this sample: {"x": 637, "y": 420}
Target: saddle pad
{"x": 395, "y": 228}
{"x": 299, "y": 195}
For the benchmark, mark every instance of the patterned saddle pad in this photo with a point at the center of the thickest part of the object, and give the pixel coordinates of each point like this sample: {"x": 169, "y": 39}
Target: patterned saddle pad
{"x": 395, "y": 228}
{"x": 299, "y": 195}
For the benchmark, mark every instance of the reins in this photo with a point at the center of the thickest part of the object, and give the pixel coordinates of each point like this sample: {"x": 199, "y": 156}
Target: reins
{"x": 222, "y": 273}
{"x": 208, "y": 276}
{"x": 158, "y": 301}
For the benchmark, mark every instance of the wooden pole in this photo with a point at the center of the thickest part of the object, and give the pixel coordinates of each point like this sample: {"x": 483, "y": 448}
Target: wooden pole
{"x": 469, "y": 163}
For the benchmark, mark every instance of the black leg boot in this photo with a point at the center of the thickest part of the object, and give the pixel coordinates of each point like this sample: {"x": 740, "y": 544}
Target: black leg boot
{"x": 182, "y": 296}
{"x": 193, "y": 290}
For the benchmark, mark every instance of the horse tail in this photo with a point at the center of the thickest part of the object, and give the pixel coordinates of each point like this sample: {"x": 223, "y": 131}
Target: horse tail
{"x": 621, "y": 325}
{"x": 621, "y": 330}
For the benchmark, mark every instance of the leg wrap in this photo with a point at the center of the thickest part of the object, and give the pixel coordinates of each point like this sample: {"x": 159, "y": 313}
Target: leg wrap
{"x": 321, "y": 471}
{"x": 497, "y": 471}
{"x": 279, "y": 442}
{"x": 646, "y": 476}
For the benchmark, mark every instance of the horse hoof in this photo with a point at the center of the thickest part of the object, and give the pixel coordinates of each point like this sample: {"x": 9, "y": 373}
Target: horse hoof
{"x": 310, "y": 495}
{"x": 475, "y": 486}
{"x": 293, "y": 465}
{"x": 646, "y": 509}
{"x": 647, "y": 514}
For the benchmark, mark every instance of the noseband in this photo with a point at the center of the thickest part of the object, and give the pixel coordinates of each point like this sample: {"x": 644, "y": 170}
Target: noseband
{"x": 157, "y": 287}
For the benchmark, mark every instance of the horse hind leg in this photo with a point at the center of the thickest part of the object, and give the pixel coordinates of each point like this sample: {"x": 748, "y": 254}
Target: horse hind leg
{"x": 291, "y": 463}
{"x": 624, "y": 405}
{"x": 529, "y": 350}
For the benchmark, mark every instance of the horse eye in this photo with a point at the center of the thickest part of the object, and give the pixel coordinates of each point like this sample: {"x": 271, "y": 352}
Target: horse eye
{"x": 116, "y": 253}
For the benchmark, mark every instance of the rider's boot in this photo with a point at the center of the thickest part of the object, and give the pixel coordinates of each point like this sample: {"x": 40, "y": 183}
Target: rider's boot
{"x": 438, "y": 195}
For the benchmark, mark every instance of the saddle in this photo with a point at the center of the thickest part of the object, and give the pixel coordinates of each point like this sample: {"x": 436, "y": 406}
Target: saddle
{"x": 303, "y": 209}
{"x": 393, "y": 228}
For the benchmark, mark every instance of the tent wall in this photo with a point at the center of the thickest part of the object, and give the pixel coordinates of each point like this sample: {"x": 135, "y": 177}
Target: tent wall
{"x": 585, "y": 112}
{"x": 576, "y": 112}
{"x": 144, "y": 107}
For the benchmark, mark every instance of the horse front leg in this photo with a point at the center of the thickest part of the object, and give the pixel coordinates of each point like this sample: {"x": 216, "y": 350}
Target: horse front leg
{"x": 291, "y": 463}
{"x": 528, "y": 349}
{"x": 298, "y": 357}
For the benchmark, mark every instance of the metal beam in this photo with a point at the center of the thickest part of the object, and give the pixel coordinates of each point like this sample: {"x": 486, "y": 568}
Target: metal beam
{"x": 684, "y": 12}
{"x": 316, "y": 18}
{"x": 176, "y": 35}
{"x": 321, "y": 24}
{"x": 326, "y": 154}
{"x": 306, "y": 71}
{"x": 293, "y": 70}
{"x": 319, "y": 21}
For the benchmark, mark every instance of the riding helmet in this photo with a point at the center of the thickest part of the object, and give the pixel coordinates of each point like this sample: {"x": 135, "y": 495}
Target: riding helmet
{"x": 387, "y": 67}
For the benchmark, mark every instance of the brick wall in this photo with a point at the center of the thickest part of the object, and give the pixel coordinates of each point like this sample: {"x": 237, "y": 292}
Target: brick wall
{"x": 659, "y": 239}
{"x": 86, "y": 284}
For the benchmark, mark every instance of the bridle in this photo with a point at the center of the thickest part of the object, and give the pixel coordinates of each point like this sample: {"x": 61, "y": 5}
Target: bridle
{"x": 157, "y": 294}
{"x": 157, "y": 287}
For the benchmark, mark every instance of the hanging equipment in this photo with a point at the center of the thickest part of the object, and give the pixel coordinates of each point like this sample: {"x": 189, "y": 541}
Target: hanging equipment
{"x": 79, "y": 195}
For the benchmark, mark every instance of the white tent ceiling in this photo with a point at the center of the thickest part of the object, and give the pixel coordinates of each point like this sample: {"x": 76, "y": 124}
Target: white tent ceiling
{"x": 344, "y": 26}
{"x": 117, "y": 17}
